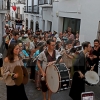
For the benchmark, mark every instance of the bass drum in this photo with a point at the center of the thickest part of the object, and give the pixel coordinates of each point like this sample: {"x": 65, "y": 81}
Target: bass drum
{"x": 57, "y": 77}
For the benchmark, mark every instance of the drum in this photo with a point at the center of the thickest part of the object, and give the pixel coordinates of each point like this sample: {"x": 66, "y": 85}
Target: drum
{"x": 91, "y": 77}
{"x": 57, "y": 77}
{"x": 67, "y": 61}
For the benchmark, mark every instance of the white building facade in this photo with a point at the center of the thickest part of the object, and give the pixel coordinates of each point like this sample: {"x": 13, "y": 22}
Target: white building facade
{"x": 4, "y": 9}
{"x": 33, "y": 14}
{"x": 57, "y": 15}
{"x": 18, "y": 14}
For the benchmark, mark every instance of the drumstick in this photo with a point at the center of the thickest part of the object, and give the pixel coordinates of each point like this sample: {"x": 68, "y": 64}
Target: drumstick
{"x": 93, "y": 66}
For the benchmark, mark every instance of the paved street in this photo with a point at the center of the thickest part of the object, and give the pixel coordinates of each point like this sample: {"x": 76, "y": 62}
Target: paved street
{"x": 33, "y": 94}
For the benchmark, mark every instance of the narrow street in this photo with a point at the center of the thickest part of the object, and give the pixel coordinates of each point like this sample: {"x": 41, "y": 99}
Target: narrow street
{"x": 33, "y": 94}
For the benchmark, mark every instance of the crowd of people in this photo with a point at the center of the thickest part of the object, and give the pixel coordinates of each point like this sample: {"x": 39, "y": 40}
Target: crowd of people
{"x": 37, "y": 50}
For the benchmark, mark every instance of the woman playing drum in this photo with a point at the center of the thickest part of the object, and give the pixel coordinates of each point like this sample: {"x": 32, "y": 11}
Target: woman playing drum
{"x": 12, "y": 60}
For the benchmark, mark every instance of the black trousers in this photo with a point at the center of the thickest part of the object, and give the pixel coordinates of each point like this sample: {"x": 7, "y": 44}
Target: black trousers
{"x": 77, "y": 87}
{"x": 16, "y": 92}
{"x": 32, "y": 66}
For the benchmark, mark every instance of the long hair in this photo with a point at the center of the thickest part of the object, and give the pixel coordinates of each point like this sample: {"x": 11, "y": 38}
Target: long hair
{"x": 57, "y": 45}
{"x": 10, "y": 53}
{"x": 41, "y": 46}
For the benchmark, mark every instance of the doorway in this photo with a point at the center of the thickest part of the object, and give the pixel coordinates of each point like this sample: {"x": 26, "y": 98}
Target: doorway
{"x": 26, "y": 23}
{"x": 37, "y": 26}
{"x": 31, "y": 25}
{"x": 98, "y": 33}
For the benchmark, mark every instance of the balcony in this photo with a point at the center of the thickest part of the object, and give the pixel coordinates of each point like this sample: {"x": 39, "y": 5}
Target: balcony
{"x": 32, "y": 9}
{"x": 42, "y": 2}
{"x": 19, "y": 16}
{"x": 20, "y": 2}
{"x": 45, "y": 1}
{"x": 4, "y": 6}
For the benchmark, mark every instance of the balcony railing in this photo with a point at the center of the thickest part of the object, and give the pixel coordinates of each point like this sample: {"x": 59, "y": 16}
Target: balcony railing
{"x": 21, "y": 1}
{"x": 36, "y": 9}
{"x": 32, "y": 9}
{"x": 19, "y": 16}
{"x": 45, "y": 1}
{"x": 4, "y": 4}
{"x": 29, "y": 9}
{"x": 41, "y": 2}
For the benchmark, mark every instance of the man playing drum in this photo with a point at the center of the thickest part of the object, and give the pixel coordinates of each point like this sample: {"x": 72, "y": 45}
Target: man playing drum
{"x": 78, "y": 83}
{"x": 47, "y": 58}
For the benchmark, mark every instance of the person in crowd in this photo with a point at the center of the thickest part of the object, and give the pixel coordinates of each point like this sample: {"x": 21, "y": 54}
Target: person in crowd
{"x": 7, "y": 39}
{"x": 80, "y": 69}
{"x": 42, "y": 47}
{"x": 15, "y": 38}
{"x": 54, "y": 38}
{"x": 23, "y": 27}
{"x": 1, "y": 64}
{"x": 71, "y": 36}
{"x": 33, "y": 64}
{"x": 23, "y": 54}
{"x": 60, "y": 35}
{"x": 77, "y": 36}
{"x": 96, "y": 54}
{"x": 64, "y": 38}
{"x": 12, "y": 60}
{"x": 76, "y": 43}
{"x": 47, "y": 57}
{"x": 90, "y": 60}
{"x": 21, "y": 35}
{"x": 58, "y": 46}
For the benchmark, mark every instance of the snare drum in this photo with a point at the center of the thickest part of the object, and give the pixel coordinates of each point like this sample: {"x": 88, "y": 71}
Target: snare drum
{"x": 57, "y": 77}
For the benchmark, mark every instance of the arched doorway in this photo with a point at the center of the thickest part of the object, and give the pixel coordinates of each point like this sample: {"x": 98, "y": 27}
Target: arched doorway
{"x": 26, "y": 23}
{"x": 31, "y": 25}
{"x": 37, "y": 25}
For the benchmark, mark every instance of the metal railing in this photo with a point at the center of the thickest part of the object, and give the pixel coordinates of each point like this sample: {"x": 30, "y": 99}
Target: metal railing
{"x": 5, "y": 5}
{"x": 41, "y": 2}
{"x": 45, "y": 1}
{"x": 21, "y": 1}
{"x": 32, "y": 9}
{"x": 29, "y": 9}
{"x": 36, "y": 9}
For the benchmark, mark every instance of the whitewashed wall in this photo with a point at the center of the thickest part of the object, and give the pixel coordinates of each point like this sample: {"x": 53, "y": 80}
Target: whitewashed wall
{"x": 86, "y": 10}
{"x": 21, "y": 10}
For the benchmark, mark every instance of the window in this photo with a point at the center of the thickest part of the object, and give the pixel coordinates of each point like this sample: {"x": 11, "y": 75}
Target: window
{"x": 71, "y": 22}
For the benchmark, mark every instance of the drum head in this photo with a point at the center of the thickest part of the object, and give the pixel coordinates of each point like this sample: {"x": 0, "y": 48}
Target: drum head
{"x": 52, "y": 78}
{"x": 92, "y": 77}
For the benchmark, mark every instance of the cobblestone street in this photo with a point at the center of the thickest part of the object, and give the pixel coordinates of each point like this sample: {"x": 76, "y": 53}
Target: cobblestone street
{"x": 33, "y": 94}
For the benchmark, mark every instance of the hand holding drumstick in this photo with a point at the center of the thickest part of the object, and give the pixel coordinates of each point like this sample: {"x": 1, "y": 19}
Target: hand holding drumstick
{"x": 92, "y": 67}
